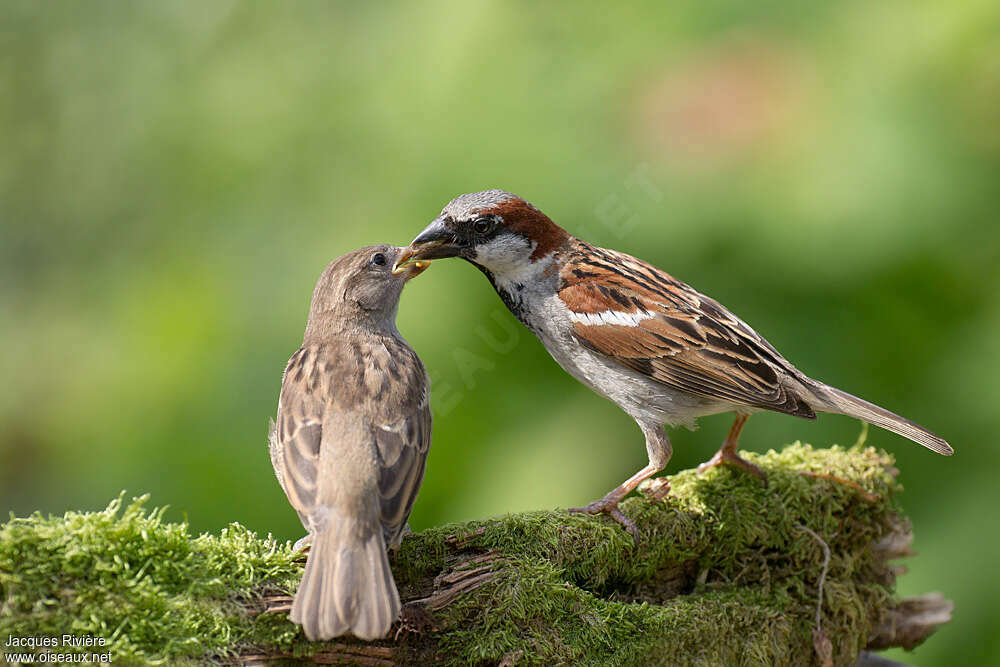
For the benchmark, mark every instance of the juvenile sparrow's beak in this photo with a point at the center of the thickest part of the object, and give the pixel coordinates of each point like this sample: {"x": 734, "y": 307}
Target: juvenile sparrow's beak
{"x": 435, "y": 242}
{"x": 411, "y": 269}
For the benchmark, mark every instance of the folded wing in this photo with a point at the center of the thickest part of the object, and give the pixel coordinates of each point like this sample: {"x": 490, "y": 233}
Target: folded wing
{"x": 649, "y": 322}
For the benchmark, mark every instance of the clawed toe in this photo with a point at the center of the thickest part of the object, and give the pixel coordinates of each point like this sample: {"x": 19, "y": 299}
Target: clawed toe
{"x": 725, "y": 457}
{"x": 625, "y": 522}
{"x": 655, "y": 489}
{"x": 755, "y": 470}
{"x": 596, "y": 507}
{"x": 609, "y": 507}
{"x": 609, "y": 503}
{"x": 303, "y": 544}
{"x": 709, "y": 464}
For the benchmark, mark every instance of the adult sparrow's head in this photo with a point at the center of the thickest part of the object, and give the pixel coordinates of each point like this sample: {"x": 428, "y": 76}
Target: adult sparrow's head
{"x": 494, "y": 229}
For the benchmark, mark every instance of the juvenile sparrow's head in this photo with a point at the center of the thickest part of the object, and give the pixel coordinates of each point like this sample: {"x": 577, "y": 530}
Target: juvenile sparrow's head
{"x": 493, "y": 229}
{"x": 363, "y": 285}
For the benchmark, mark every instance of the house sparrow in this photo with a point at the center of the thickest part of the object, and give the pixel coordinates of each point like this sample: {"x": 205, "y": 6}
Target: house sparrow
{"x": 351, "y": 439}
{"x": 664, "y": 353}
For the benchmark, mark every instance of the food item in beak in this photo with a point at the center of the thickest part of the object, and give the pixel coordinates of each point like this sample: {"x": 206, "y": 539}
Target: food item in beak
{"x": 414, "y": 268}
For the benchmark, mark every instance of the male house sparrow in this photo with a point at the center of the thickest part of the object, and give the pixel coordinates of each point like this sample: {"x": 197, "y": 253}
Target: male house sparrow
{"x": 663, "y": 352}
{"x": 349, "y": 446}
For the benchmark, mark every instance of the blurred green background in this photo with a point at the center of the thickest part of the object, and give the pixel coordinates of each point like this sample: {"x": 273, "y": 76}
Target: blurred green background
{"x": 175, "y": 175}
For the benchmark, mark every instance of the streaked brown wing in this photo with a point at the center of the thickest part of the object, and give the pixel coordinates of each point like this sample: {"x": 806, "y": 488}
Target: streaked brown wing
{"x": 645, "y": 320}
{"x": 300, "y": 439}
{"x": 402, "y": 455}
{"x": 297, "y": 434}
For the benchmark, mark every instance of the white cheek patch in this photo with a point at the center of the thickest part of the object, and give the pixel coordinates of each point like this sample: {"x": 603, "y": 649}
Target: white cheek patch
{"x": 611, "y": 317}
{"x": 504, "y": 254}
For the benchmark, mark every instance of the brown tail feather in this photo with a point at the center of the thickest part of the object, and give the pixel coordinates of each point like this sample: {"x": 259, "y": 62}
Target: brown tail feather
{"x": 841, "y": 402}
{"x": 347, "y": 585}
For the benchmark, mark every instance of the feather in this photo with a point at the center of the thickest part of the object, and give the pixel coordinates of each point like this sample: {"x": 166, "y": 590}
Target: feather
{"x": 852, "y": 406}
{"x": 347, "y": 585}
{"x": 646, "y": 320}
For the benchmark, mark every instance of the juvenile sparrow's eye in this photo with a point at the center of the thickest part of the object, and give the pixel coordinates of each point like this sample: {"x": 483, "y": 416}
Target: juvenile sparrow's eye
{"x": 482, "y": 225}
{"x": 378, "y": 259}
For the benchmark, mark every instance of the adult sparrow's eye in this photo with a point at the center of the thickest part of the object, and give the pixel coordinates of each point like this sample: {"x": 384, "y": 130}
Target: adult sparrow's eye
{"x": 378, "y": 259}
{"x": 482, "y": 225}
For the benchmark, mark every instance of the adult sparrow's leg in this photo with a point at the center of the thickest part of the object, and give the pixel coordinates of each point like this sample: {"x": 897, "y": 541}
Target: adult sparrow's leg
{"x": 659, "y": 450}
{"x": 727, "y": 453}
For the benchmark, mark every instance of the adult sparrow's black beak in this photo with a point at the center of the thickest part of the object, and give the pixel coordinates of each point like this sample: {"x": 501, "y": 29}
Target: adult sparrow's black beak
{"x": 435, "y": 242}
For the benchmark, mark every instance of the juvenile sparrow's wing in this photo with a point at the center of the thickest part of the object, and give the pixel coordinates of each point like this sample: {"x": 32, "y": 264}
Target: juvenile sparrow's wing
{"x": 644, "y": 319}
{"x": 404, "y": 438}
{"x": 297, "y": 436}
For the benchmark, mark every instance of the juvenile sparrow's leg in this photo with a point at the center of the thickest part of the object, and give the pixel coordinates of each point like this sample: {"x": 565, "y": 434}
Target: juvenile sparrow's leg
{"x": 659, "y": 450}
{"x": 727, "y": 453}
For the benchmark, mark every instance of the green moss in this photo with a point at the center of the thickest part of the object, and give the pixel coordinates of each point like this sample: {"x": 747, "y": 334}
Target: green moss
{"x": 723, "y": 574}
{"x": 753, "y": 603}
{"x": 153, "y": 591}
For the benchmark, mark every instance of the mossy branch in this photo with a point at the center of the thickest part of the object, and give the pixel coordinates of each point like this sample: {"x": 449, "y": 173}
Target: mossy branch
{"x": 727, "y": 572}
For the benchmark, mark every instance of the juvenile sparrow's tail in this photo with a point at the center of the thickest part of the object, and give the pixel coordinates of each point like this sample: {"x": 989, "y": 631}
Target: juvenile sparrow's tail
{"x": 845, "y": 404}
{"x": 347, "y": 585}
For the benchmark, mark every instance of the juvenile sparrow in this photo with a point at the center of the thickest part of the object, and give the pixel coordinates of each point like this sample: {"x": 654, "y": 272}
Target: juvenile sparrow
{"x": 664, "y": 353}
{"x": 351, "y": 439}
